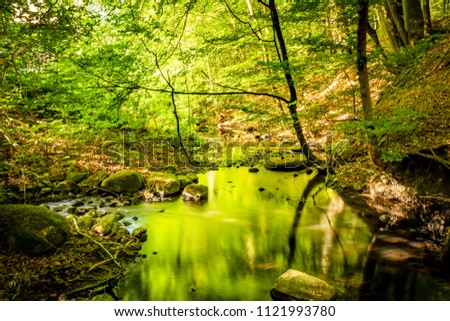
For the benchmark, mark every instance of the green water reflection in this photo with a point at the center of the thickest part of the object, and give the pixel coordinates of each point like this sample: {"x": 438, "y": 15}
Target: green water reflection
{"x": 237, "y": 243}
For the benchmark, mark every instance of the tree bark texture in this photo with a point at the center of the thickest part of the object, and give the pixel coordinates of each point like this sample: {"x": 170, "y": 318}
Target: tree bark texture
{"x": 413, "y": 17}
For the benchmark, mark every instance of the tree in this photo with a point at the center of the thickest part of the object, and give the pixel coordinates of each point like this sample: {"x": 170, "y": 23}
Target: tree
{"x": 292, "y": 102}
{"x": 403, "y": 21}
{"x": 363, "y": 78}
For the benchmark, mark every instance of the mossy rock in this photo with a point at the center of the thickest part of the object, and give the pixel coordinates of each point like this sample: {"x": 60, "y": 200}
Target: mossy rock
{"x": 85, "y": 222}
{"x": 65, "y": 186}
{"x": 195, "y": 193}
{"x": 164, "y": 183}
{"x": 107, "y": 224}
{"x": 126, "y": 181}
{"x": 34, "y": 230}
{"x": 76, "y": 177}
{"x": 299, "y": 286}
{"x": 140, "y": 233}
{"x": 184, "y": 181}
{"x": 193, "y": 177}
{"x": 93, "y": 181}
{"x": 286, "y": 164}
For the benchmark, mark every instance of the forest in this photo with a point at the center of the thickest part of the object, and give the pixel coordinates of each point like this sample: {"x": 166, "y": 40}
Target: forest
{"x": 266, "y": 144}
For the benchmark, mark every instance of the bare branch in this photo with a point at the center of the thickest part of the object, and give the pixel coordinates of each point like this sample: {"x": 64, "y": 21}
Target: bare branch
{"x": 255, "y": 32}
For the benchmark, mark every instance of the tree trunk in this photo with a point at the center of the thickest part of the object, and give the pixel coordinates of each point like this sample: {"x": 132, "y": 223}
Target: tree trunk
{"x": 413, "y": 17}
{"x": 394, "y": 11}
{"x": 388, "y": 27}
{"x": 426, "y": 17}
{"x": 363, "y": 78}
{"x": 292, "y": 105}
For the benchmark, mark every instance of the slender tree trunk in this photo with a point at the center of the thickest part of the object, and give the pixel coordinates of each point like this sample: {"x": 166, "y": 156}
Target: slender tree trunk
{"x": 394, "y": 11}
{"x": 413, "y": 17}
{"x": 388, "y": 27}
{"x": 292, "y": 105}
{"x": 426, "y": 17}
{"x": 363, "y": 78}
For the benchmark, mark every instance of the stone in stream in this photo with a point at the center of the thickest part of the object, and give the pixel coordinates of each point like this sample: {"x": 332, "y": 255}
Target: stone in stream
{"x": 35, "y": 230}
{"x": 184, "y": 181}
{"x": 294, "y": 285}
{"x": 164, "y": 184}
{"x": 85, "y": 222}
{"x": 193, "y": 177}
{"x": 195, "y": 192}
{"x": 123, "y": 182}
{"x": 107, "y": 224}
{"x": 140, "y": 233}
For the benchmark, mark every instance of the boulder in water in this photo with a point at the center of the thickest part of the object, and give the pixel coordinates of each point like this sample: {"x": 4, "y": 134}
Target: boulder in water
{"x": 126, "y": 181}
{"x": 35, "y": 230}
{"x": 195, "y": 192}
{"x": 294, "y": 285}
{"x": 163, "y": 183}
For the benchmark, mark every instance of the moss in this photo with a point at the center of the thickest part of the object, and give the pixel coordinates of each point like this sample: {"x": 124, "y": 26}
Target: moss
{"x": 93, "y": 181}
{"x": 165, "y": 183}
{"x": 195, "y": 192}
{"x": 107, "y": 224}
{"x": 184, "y": 181}
{"x": 301, "y": 286}
{"x": 76, "y": 177}
{"x": 34, "y": 230}
{"x": 193, "y": 177}
{"x": 124, "y": 181}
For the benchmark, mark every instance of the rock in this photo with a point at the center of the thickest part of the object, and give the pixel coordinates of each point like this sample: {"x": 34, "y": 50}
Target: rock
{"x": 184, "y": 181}
{"x": 93, "y": 181}
{"x": 76, "y": 177}
{"x": 163, "y": 183}
{"x": 285, "y": 164}
{"x": 170, "y": 168}
{"x": 195, "y": 192}
{"x": 35, "y": 230}
{"x": 124, "y": 181}
{"x": 65, "y": 186}
{"x": 295, "y": 285}
{"x": 122, "y": 234}
{"x": 193, "y": 177}
{"x": 140, "y": 233}
{"x": 253, "y": 170}
{"x": 78, "y": 203}
{"x": 85, "y": 222}
{"x": 261, "y": 189}
{"x": 106, "y": 224}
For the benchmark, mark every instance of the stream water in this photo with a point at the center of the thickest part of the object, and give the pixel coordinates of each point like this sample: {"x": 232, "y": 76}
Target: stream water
{"x": 253, "y": 228}
{"x": 236, "y": 244}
